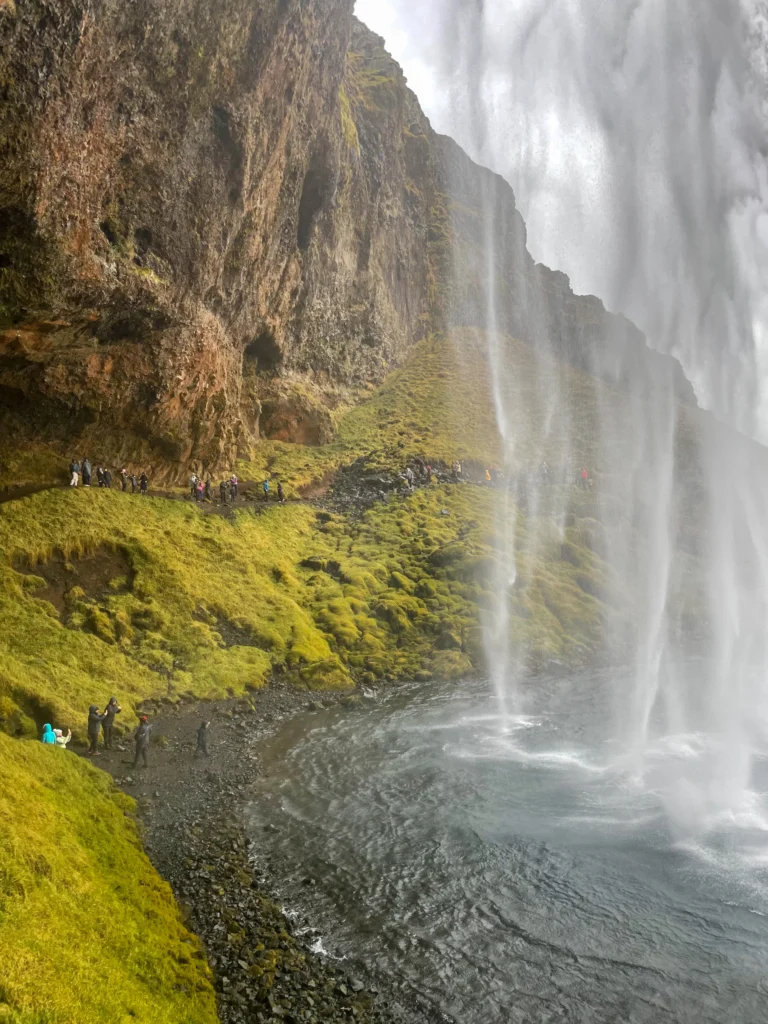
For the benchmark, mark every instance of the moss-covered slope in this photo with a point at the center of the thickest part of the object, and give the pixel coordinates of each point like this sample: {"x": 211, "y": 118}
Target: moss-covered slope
{"x": 88, "y": 932}
{"x": 105, "y": 592}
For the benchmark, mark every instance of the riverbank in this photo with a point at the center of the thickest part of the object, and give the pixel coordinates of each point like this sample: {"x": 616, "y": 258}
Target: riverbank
{"x": 191, "y": 810}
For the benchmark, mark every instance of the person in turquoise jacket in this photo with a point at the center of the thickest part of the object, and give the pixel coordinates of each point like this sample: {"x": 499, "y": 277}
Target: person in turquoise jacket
{"x": 48, "y": 735}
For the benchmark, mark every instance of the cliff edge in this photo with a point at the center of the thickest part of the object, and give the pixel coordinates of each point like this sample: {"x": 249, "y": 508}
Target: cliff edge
{"x": 197, "y": 202}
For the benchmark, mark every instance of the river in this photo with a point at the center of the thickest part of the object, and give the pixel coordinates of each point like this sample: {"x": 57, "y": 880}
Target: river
{"x": 516, "y": 874}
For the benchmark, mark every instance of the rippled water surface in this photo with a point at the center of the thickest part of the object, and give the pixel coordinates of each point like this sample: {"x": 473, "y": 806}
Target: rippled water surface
{"x": 518, "y": 873}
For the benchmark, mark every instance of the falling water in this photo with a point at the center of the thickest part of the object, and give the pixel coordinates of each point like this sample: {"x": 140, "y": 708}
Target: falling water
{"x": 634, "y": 136}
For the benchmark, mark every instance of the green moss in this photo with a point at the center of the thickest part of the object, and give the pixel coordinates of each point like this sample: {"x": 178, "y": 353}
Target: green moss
{"x": 348, "y": 126}
{"x": 88, "y": 931}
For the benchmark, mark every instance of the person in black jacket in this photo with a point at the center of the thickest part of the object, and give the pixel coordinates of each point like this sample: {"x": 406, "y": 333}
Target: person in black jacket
{"x": 108, "y": 724}
{"x": 202, "y": 739}
{"x": 141, "y": 738}
{"x": 95, "y": 718}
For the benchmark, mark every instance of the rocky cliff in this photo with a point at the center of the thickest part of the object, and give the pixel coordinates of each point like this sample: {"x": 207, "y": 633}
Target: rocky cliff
{"x": 215, "y": 220}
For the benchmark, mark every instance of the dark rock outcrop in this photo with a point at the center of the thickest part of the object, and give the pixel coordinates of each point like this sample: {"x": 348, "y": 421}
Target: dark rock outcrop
{"x": 196, "y": 199}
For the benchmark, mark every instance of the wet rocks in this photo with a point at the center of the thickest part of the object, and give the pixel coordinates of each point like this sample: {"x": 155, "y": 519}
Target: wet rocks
{"x": 196, "y": 838}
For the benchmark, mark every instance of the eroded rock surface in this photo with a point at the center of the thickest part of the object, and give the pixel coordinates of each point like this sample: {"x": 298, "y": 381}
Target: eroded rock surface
{"x": 198, "y": 199}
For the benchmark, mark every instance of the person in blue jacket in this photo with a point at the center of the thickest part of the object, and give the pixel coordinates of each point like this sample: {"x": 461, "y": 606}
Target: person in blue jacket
{"x": 48, "y": 734}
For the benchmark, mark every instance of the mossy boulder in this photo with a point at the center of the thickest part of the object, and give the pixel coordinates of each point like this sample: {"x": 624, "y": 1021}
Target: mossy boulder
{"x": 451, "y": 665}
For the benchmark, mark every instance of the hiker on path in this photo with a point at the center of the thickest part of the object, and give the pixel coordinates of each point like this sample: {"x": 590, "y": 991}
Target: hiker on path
{"x": 265, "y": 485}
{"x": 108, "y": 724}
{"x": 193, "y": 485}
{"x": 143, "y": 481}
{"x": 61, "y": 739}
{"x": 223, "y": 492}
{"x": 207, "y": 490}
{"x": 202, "y": 739}
{"x": 48, "y": 737}
{"x": 584, "y": 480}
{"x": 86, "y": 466}
{"x": 409, "y": 476}
{"x": 100, "y": 476}
{"x": 233, "y": 486}
{"x": 280, "y": 493}
{"x": 200, "y": 490}
{"x": 134, "y": 483}
{"x": 74, "y": 473}
{"x": 95, "y": 718}
{"x": 124, "y": 479}
{"x": 107, "y": 478}
{"x": 141, "y": 738}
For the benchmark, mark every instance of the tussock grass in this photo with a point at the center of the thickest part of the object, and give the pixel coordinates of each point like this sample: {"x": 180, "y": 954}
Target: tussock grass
{"x": 213, "y": 605}
{"x": 88, "y": 931}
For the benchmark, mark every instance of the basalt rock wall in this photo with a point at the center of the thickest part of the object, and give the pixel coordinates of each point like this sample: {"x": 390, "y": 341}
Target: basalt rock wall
{"x": 200, "y": 200}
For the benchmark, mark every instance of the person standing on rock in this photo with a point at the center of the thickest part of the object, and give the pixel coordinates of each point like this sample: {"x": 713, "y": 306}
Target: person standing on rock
{"x": 95, "y": 718}
{"x": 143, "y": 481}
{"x": 202, "y": 739}
{"x": 74, "y": 473}
{"x": 141, "y": 738}
{"x": 86, "y": 466}
{"x": 223, "y": 492}
{"x": 108, "y": 724}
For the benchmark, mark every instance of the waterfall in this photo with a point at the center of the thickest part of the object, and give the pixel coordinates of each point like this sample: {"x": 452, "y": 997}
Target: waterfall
{"x": 634, "y": 136}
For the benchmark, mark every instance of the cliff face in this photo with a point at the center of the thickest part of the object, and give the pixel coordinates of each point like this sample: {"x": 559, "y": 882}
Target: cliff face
{"x": 199, "y": 200}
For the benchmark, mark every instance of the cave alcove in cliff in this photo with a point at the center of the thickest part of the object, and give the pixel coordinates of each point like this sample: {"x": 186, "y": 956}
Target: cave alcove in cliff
{"x": 263, "y": 352}
{"x": 315, "y": 193}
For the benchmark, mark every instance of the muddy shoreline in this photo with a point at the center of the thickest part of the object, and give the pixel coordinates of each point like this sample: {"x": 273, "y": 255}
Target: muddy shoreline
{"x": 191, "y": 813}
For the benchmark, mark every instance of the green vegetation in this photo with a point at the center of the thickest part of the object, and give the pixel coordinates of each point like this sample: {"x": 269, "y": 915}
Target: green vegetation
{"x": 88, "y": 931}
{"x": 348, "y": 126}
{"x": 107, "y": 593}
{"x": 439, "y": 405}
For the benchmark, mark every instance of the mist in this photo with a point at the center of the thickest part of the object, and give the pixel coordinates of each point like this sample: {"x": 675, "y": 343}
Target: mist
{"x": 633, "y": 134}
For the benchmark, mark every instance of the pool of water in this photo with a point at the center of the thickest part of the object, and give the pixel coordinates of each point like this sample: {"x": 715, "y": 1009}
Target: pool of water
{"x": 514, "y": 871}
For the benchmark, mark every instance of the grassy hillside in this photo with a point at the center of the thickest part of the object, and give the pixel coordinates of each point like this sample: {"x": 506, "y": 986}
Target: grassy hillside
{"x": 104, "y": 592}
{"x": 88, "y": 932}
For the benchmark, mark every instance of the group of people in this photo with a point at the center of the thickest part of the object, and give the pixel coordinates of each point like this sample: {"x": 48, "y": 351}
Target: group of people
{"x": 201, "y": 490}
{"x": 56, "y": 737}
{"x": 103, "y": 722}
{"x": 82, "y": 473}
{"x": 420, "y": 472}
